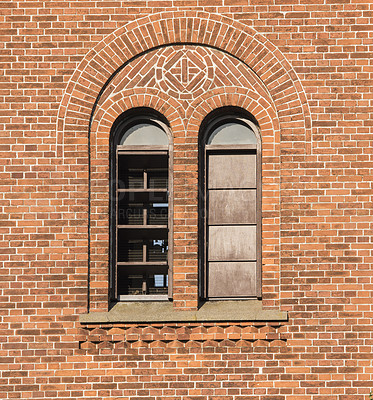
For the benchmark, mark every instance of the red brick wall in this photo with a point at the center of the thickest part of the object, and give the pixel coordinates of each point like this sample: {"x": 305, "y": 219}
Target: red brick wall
{"x": 303, "y": 69}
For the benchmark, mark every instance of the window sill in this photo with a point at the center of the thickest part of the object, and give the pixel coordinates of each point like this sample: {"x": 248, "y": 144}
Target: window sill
{"x": 212, "y": 311}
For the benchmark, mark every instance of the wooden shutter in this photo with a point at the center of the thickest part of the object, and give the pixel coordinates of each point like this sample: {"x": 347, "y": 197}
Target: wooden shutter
{"x": 231, "y": 224}
{"x": 232, "y": 279}
{"x": 232, "y": 170}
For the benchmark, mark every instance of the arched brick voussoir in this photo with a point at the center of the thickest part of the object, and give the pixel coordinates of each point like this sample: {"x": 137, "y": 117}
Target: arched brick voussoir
{"x": 102, "y": 122}
{"x": 124, "y": 100}
{"x": 247, "y": 99}
{"x": 103, "y": 62}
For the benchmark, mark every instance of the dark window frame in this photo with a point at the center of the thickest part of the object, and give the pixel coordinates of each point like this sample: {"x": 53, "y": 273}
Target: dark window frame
{"x": 124, "y": 122}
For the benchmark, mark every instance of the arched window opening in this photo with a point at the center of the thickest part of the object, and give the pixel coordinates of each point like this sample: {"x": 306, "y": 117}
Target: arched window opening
{"x": 140, "y": 208}
{"x": 231, "y": 238}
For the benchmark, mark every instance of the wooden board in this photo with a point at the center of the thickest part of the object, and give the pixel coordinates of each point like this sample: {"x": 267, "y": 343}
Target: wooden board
{"x": 232, "y": 279}
{"x": 229, "y": 243}
{"x": 232, "y": 207}
{"x": 231, "y": 171}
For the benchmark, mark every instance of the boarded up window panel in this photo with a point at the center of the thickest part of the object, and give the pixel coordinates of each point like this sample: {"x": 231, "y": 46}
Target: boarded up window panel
{"x": 232, "y": 207}
{"x": 229, "y": 243}
{"x": 231, "y": 171}
{"x": 232, "y": 279}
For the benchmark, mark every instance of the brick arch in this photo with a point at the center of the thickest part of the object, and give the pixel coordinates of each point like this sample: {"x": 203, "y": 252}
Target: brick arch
{"x": 127, "y": 99}
{"x": 221, "y": 70}
{"x": 101, "y": 125}
{"x": 246, "y": 98}
{"x": 194, "y": 27}
{"x": 269, "y": 124}
{"x": 241, "y": 89}
{"x": 91, "y": 104}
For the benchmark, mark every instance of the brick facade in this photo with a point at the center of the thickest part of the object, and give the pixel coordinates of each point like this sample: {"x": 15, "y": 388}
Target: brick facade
{"x": 303, "y": 69}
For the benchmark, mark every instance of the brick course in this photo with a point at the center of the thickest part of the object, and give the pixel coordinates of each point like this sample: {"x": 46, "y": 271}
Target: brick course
{"x": 304, "y": 70}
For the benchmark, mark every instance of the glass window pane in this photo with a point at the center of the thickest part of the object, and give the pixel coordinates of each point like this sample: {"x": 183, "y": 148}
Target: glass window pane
{"x": 232, "y": 133}
{"x": 144, "y": 134}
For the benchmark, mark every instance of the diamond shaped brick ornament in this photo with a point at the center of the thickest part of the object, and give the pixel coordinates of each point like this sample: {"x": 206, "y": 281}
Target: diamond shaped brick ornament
{"x": 185, "y": 73}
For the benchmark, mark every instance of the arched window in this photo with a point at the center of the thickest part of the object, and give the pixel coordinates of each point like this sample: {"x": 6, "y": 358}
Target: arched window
{"x": 140, "y": 207}
{"x": 231, "y": 205}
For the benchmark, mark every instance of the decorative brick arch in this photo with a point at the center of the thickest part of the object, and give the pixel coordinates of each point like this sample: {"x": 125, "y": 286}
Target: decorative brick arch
{"x": 103, "y": 87}
{"x": 268, "y": 122}
{"x": 185, "y": 108}
{"x": 245, "y": 98}
{"x": 101, "y": 126}
{"x": 123, "y": 100}
{"x": 209, "y": 69}
{"x": 126, "y": 99}
{"x": 109, "y": 56}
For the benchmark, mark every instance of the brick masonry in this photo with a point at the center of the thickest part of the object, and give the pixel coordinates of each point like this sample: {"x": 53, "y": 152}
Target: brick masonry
{"x": 304, "y": 70}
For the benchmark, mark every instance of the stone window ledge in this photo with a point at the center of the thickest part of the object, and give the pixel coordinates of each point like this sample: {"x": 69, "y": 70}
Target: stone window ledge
{"x": 211, "y": 311}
